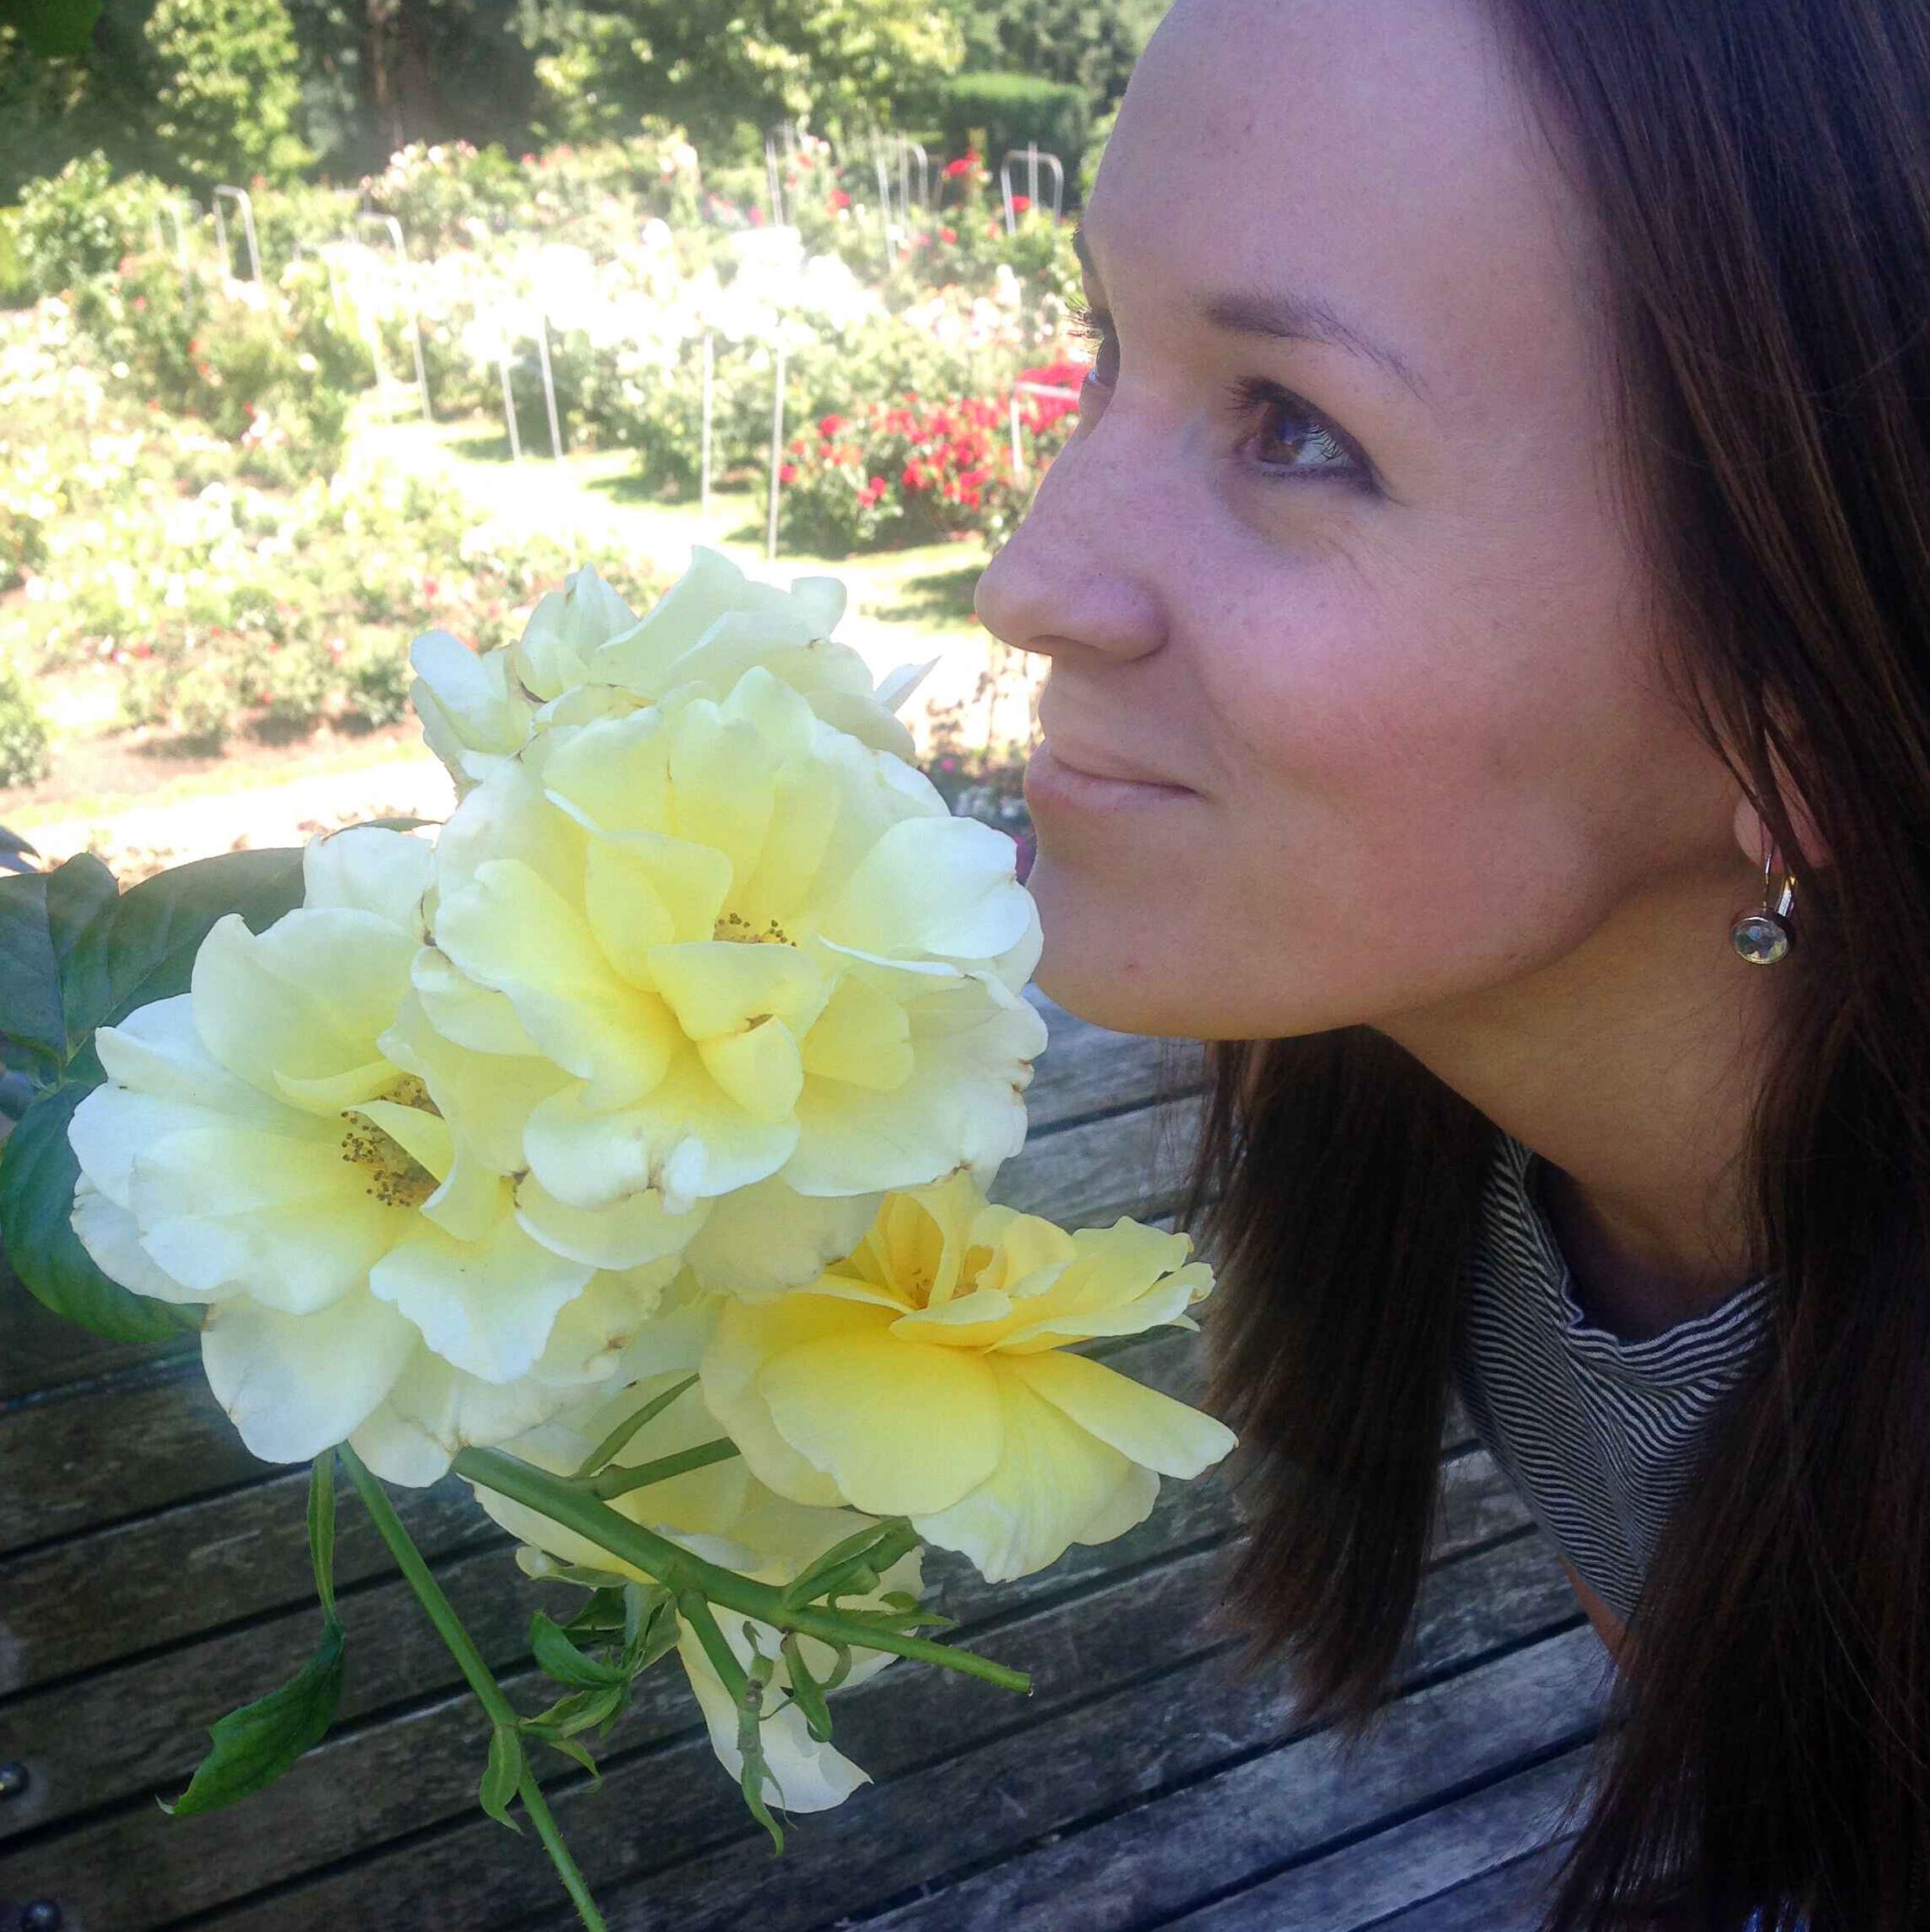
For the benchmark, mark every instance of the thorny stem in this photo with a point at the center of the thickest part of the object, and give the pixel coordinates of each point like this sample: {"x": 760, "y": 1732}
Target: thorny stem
{"x": 565, "y": 1502}
{"x": 469, "y": 1660}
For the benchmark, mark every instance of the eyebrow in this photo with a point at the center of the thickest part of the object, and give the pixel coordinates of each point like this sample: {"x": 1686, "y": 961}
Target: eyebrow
{"x": 1285, "y": 315}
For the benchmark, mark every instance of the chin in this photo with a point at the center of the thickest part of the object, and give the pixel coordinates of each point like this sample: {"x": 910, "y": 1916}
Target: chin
{"x": 1100, "y": 971}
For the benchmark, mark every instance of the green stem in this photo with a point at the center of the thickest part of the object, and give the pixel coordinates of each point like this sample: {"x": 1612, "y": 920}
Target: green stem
{"x": 469, "y": 1660}
{"x": 670, "y": 1565}
{"x": 615, "y": 1442}
{"x": 618, "y": 1481}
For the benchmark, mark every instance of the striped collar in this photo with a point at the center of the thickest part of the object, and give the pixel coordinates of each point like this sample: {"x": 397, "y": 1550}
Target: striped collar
{"x": 1687, "y": 1350}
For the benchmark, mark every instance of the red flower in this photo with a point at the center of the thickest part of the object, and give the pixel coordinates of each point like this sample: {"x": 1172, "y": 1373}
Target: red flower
{"x": 787, "y": 473}
{"x": 948, "y": 236}
{"x": 953, "y": 169}
{"x": 839, "y": 199}
{"x": 829, "y": 425}
{"x": 1021, "y": 203}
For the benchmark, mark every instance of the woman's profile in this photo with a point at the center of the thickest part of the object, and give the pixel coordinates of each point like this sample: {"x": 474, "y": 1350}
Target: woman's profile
{"x": 1487, "y": 595}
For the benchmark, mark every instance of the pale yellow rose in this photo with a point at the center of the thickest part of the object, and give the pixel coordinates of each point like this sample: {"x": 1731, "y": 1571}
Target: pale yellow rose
{"x": 776, "y": 976}
{"x": 287, "y": 1146}
{"x": 585, "y": 654}
{"x": 926, "y": 1377}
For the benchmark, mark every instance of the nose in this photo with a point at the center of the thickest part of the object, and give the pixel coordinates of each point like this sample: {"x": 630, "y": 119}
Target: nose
{"x": 1074, "y": 576}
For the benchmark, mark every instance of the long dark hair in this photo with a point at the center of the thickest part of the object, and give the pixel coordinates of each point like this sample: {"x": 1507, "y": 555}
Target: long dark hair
{"x": 1759, "y": 173}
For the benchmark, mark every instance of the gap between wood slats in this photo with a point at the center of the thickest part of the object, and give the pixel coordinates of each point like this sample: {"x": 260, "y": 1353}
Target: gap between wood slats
{"x": 128, "y": 1729}
{"x": 1511, "y": 1898}
{"x": 112, "y": 1451}
{"x": 1490, "y": 1824}
{"x": 413, "y": 1877}
{"x": 1304, "y": 1800}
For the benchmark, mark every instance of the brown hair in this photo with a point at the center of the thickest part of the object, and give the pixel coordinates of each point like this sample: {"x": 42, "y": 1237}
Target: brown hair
{"x": 1759, "y": 176}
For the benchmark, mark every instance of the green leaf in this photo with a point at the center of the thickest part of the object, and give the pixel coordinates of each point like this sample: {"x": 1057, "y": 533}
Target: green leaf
{"x": 806, "y": 1691}
{"x": 142, "y": 947}
{"x": 655, "y": 1634}
{"x": 581, "y": 1710}
{"x": 29, "y": 974}
{"x": 37, "y": 1174}
{"x": 564, "y": 1663}
{"x": 78, "y": 892}
{"x": 570, "y": 1748}
{"x": 504, "y": 1774}
{"x": 322, "y": 1528}
{"x": 253, "y": 1745}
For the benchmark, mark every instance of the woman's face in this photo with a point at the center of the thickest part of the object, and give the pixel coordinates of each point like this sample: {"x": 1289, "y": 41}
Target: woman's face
{"x": 1339, "y": 604}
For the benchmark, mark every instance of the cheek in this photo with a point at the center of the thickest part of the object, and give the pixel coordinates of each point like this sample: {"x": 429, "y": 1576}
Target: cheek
{"x": 1405, "y": 803}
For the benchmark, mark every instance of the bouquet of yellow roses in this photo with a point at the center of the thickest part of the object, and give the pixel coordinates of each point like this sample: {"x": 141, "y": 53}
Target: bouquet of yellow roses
{"x": 621, "y": 1143}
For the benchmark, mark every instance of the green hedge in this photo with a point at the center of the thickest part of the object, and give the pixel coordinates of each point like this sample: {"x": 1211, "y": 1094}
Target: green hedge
{"x": 1014, "y": 108}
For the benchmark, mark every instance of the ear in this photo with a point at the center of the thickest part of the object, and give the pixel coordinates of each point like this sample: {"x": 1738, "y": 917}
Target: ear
{"x": 1753, "y": 836}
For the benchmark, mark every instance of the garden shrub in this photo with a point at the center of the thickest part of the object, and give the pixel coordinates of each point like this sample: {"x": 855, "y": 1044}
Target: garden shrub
{"x": 77, "y": 224}
{"x": 228, "y": 352}
{"x": 911, "y": 473}
{"x": 375, "y": 684}
{"x": 22, "y": 731}
{"x": 1012, "y": 109}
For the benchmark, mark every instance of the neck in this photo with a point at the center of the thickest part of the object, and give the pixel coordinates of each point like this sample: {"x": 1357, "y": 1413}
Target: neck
{"x": 1632, "y": 1066}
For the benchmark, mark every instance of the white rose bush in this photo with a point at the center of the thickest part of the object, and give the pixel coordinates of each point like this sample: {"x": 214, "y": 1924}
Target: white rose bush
{"x": 621, "y": 1146}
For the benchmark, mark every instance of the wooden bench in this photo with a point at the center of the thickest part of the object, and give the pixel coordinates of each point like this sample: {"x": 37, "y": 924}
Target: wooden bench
{"x": 152, "y": 1575}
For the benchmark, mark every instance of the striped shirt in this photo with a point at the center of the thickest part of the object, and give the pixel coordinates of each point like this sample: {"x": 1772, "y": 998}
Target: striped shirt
{"x": 1599, "y": 1433}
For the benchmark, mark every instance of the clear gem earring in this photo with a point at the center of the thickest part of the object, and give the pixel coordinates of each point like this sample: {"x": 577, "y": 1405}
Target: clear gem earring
{"x": 1759, "y": 934}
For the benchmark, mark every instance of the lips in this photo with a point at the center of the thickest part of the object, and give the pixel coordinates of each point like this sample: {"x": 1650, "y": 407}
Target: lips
{"x": 1091, "y": 762}
{"x": 1054, "y": 784}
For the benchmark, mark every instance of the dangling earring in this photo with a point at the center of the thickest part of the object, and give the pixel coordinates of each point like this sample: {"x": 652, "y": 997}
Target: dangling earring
{"x": 1761, "y": 936}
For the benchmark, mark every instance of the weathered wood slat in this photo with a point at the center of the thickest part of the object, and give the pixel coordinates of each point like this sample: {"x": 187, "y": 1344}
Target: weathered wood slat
{"x": 1087, "y": 1070}
{"x": 79, "y": 1604}
{"x": 136, "y": 1728}
{"x": 40, "y": 1350}
{"x": 1511, "y": 1899}
{"x": 1410, "y": 1865}
{"x": 149, "y": 1435}
{"x": 1153, "y": 1859}
{"x": 1088, "y": 1175}
{"x": 1030, "y": 1774}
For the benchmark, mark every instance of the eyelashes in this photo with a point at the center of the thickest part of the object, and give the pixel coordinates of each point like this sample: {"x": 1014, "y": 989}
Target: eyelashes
{"x": 1280, "y": 415}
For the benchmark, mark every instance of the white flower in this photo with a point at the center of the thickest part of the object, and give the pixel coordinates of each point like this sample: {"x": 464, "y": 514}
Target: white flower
{"x": 289, "y": 1146}
{"x": 755, "y": 951}
{"x": 586, "y": 654}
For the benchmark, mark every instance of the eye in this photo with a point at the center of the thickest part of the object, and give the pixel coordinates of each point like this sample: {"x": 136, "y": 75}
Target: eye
{"x": 1090, "y": 327}
{"x": 1293, "y": 438}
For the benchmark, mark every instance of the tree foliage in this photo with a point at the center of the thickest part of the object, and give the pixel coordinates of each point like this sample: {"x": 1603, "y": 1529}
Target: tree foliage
{"x": 723, "y": 67}
{"x": 230, "y": 89}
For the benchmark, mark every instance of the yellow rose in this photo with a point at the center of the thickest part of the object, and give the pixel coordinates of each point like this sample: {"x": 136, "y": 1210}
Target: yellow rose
{"x": 585, "y": 654}
{"x": 288, "y": 1146}
{"x": 925, "y": 1378}
{"x": 756, "y": 951}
